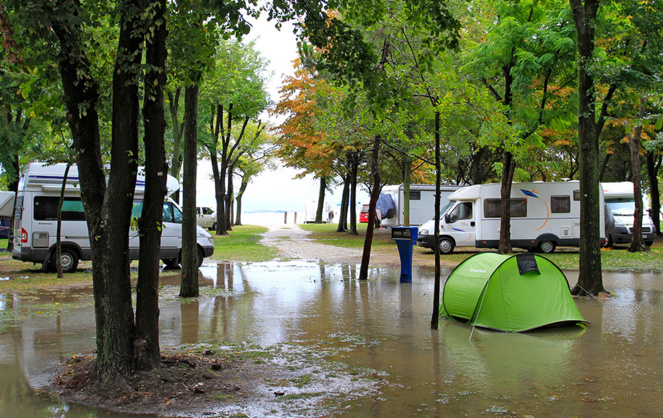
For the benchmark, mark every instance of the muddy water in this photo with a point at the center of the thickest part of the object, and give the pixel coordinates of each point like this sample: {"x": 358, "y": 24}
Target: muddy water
{"x": 611, "y": 368}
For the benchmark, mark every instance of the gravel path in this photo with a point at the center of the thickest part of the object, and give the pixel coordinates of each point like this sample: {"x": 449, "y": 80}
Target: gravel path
{"x": 292, "y": 242}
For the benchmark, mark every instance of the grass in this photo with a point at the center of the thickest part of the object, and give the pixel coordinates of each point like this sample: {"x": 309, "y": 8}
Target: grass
{"x": 242, "y": 244}
{"x": 617, "y": 258}
{"x": 326, "y": 234}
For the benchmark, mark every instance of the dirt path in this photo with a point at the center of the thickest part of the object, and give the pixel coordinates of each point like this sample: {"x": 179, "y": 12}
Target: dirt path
{"x": 292, "y": 242}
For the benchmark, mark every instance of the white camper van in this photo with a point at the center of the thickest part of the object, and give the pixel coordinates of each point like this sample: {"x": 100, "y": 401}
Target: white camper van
{"x": 620, "y": 200}
{"x": 311, "y": 208}
{"x": 543, "y": 216}
{"x": 35, "y": 220}
{"x": 422, "y": 203}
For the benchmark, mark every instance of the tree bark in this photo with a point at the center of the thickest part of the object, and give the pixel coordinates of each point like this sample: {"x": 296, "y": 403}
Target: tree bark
{"x": 652, "y": 174}
{"x": 590, "y": 280}
{"x": 343, "y": 215}
{"x": 354, "y": 168}
{"x": 508, "y": 167}
{"x": 177, "y": 128}
{"x": 375, "y": 193}
{"x": 635, "y": 140}
{"x": 58, "y": 234}
{"x": 435, "y": 319}
{"x": 321, "y": 200}
{"x": 146, "y": 343}
{"x": 189, "y": 286}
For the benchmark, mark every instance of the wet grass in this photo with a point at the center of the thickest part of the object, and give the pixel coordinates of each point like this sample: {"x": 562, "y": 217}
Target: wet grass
{"x": 326, "y": 234}
{"x": 616, "y": 258}
{"x": 242, "y": 244}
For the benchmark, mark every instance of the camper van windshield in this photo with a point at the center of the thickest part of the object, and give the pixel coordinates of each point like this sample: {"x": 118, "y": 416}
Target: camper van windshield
{"x": 622, "y": 207}
{"x": 446, "y": 208}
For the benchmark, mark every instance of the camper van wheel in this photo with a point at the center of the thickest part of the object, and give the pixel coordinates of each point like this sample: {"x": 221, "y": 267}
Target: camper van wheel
{"x": 547, "y": 247}
{"x": 68, "y": 259}
{"x": 213, "y": 228}
{"x": 199, "y": 257}
{"x": 446, "y": 245}
{"x": 172, "y": 263}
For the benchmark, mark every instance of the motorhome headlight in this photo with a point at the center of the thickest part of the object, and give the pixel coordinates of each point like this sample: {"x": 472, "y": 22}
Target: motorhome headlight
{"x": 423, "y": 232}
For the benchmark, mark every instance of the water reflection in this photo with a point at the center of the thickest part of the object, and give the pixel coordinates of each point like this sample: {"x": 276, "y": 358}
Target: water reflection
{"x": 611, "y": 368}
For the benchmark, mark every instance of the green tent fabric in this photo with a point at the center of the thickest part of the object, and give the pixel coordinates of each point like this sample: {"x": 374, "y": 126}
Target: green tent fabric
{"x": 509, "y": 293}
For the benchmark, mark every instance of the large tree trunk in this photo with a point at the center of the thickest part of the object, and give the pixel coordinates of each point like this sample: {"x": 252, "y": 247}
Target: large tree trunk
{"x": 652, "y": 174}
{"x": 321, "y": 200}
{"x": 354, "y": 168}
{"x": 435, "y": 319}
{"x": 635, "y": 139}
{"x": 375, "y": 193}
{"x": 590, "y": 280}
{"x": 178, "y": 129}
{"x": 240, "y": 194}
{"x": 508, "y": 167}
{"x": 146, "y": 345}
{"x": 343, "y": 215}
{"x": 189, "y": 285}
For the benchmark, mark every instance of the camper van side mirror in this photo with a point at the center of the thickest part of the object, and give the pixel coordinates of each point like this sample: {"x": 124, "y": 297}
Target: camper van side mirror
{"x": 447, "y": 219}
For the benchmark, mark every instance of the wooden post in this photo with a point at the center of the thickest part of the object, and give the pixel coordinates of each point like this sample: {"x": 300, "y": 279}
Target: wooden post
{"x": 285, "y": 217}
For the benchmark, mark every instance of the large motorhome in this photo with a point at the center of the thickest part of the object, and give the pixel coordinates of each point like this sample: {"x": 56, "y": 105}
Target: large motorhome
{"x": 543, "y": 216}
{"x": 35, "y": 220}
{"x": 422, "y": 203}
{"x": 620, "y": 200}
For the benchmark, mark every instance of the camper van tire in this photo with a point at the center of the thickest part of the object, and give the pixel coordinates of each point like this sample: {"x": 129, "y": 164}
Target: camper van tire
{"x": 547, "y": 246}
{"x": 446, "y": 245}
{"x": 213, "y": 228}
{"x": 68, "y": 260}
{"x": 174, "y": 263}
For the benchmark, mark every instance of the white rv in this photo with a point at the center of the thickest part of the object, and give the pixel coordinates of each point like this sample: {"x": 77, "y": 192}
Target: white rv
{"x": 422, "y": 203}
{"x": 543, "y": 216}
{"x": 620, "y": 200}
{"x": 35, "y": 220}
{"x": 311, "y": 208}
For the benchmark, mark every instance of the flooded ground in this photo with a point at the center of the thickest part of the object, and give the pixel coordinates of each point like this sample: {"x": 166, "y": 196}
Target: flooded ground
{"x": 610, "y": 369}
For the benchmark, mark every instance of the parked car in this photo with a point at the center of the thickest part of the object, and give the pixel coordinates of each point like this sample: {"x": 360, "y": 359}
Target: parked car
{"x": 206, "y": 218}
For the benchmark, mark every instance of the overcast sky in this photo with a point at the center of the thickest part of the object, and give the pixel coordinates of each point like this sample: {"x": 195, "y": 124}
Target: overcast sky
{"x": 272, "y": 190}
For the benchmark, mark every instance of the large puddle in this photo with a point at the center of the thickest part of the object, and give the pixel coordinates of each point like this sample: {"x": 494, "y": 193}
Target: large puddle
{"x": 610, "y": 369}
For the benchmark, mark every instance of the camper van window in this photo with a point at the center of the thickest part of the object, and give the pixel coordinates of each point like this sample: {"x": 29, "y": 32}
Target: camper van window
{"x": 492, "y": 208}
{"x": 560, "y": 204}
{"x": 208, "y": 211}
{"x": 18, "y": 208}
{"x": 576, "y": 195}
{"x": 171, "y": 213}
{"x": 46, "y": 209}
{"x": 460, "y": 212}
{"x": 415, "y": 194}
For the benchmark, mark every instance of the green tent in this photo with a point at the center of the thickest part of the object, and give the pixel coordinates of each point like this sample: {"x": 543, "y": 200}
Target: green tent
{"x": 509, "y": 293}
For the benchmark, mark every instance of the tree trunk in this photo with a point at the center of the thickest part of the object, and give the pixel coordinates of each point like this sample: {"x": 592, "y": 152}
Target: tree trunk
{"x": 58, "y": 233}
{"x": 230, "y": 197}
{"x": 375, "y": 193}
{"x": 508, "y": 167}
{"x": 343, "y": 215}
{"x": 435, "y": 319}
{"x": 189, "y": 285}
{"x": 321, "y": 200}
{"x": 635, "y": 140}
{"x": 177, "y": 128}
{"x": 652, "y": 174}
{"x": 590, "y": 280}
{"x": 146, "y": 343}
{"x": 407, "y": 168}
{"x": 353, "y": 196}
{"x": 240, "y": 194}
